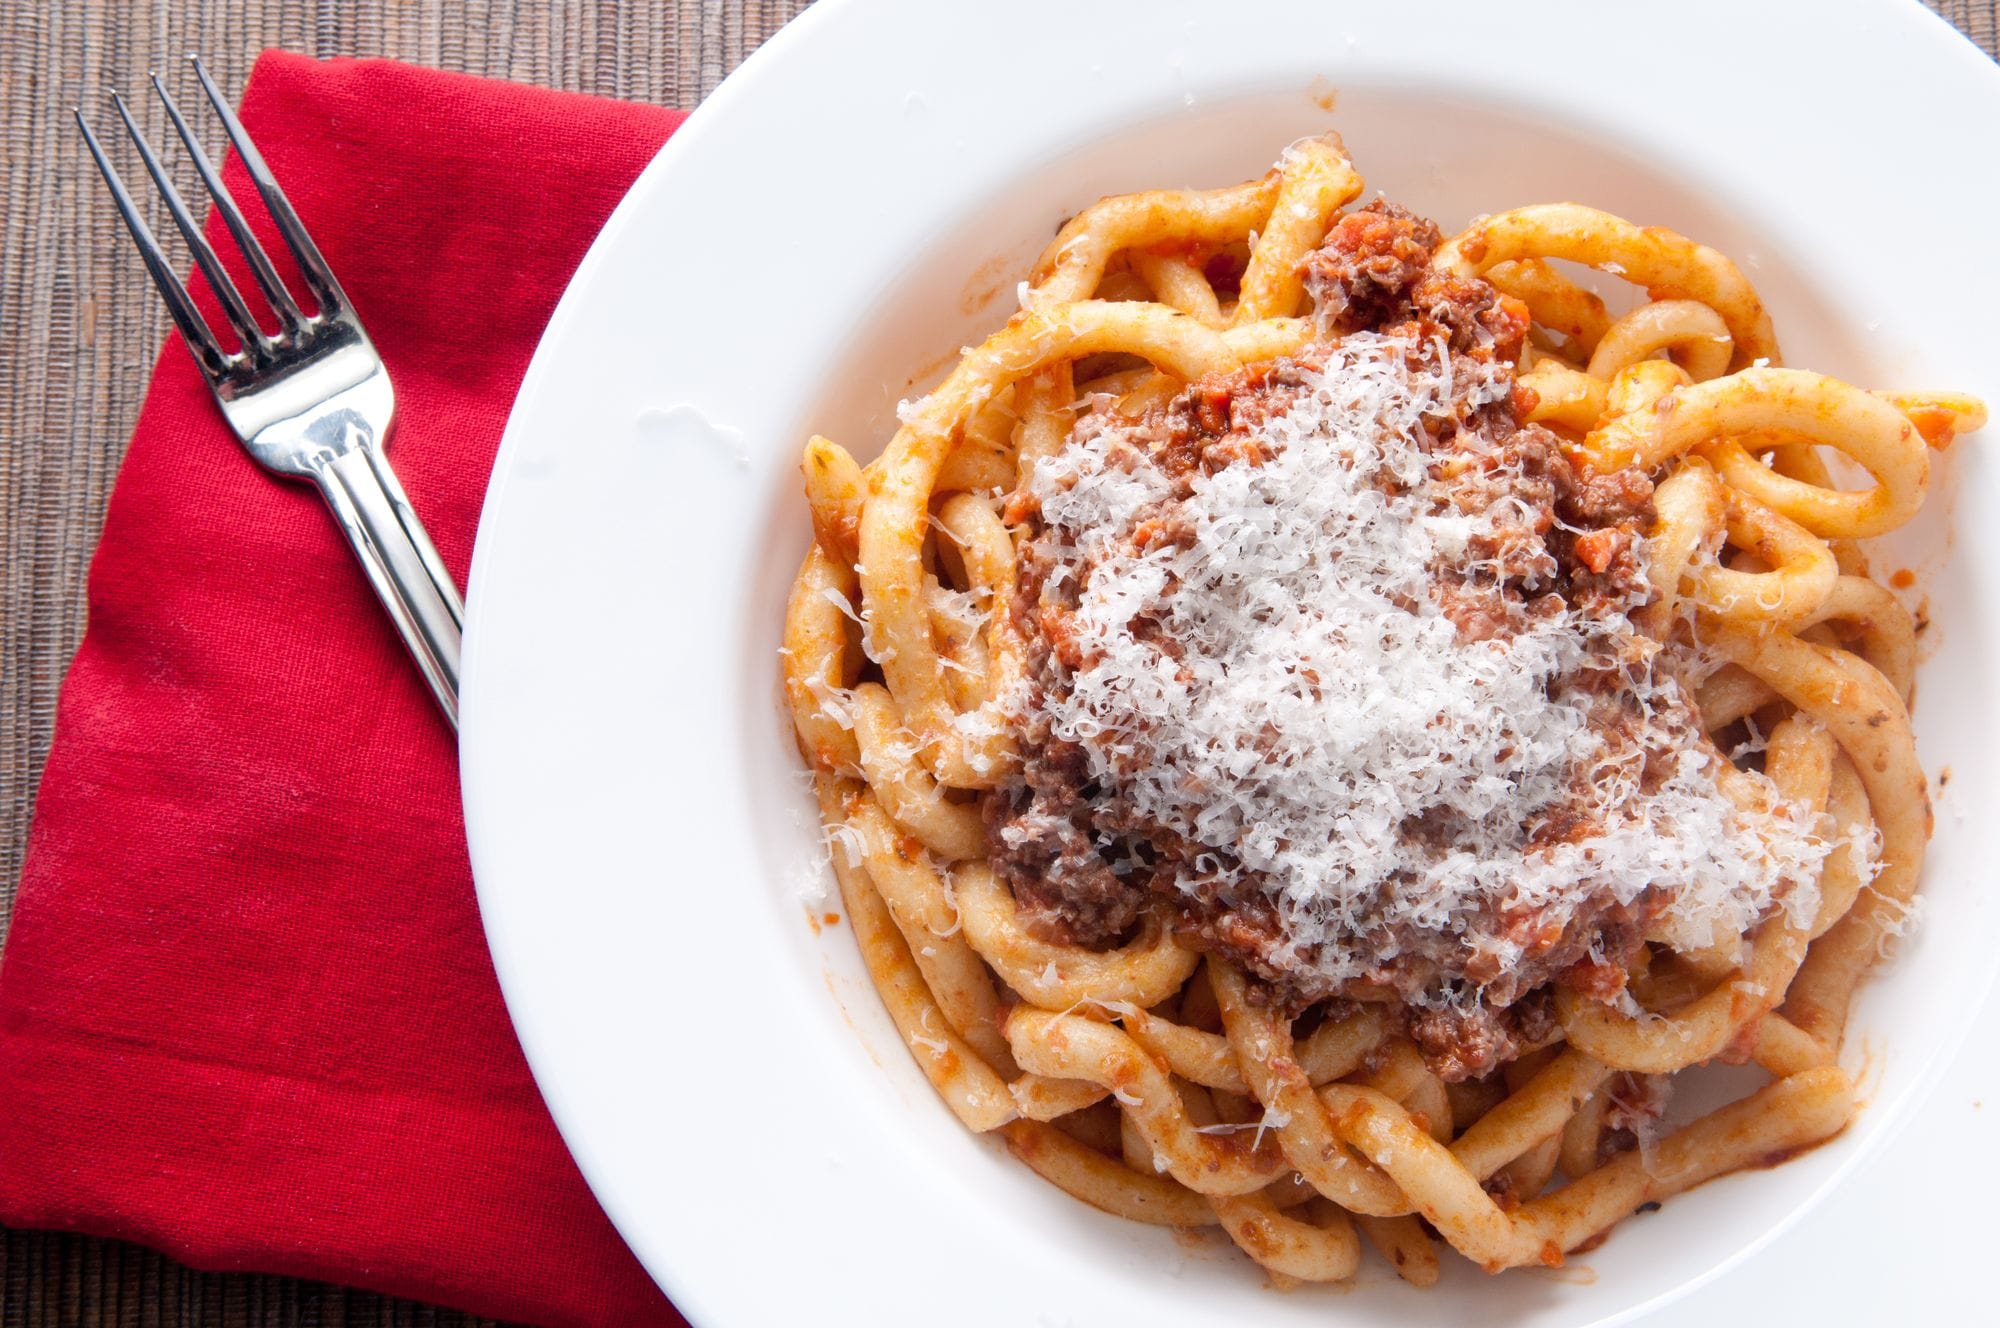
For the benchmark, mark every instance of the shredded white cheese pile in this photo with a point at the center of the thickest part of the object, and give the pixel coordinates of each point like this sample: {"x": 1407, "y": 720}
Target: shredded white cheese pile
{"x": 1322, "y": 702}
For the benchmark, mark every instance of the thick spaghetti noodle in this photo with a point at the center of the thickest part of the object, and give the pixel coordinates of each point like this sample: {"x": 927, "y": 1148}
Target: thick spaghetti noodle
{"x": 1273, "y": 709}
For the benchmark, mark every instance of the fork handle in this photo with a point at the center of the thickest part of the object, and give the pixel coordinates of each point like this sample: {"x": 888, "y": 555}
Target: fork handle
{"x": 401, "y": 562}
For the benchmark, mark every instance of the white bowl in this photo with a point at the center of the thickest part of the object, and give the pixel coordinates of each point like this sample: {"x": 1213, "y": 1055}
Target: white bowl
{"x": 850, "y": 208}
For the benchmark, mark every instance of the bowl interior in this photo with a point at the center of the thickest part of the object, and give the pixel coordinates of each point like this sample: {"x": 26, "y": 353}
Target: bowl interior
{"x": 1451, "y": 157}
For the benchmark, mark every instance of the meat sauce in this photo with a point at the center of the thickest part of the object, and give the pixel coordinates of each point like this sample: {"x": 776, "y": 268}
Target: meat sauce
{"x": 1082, "y": 863}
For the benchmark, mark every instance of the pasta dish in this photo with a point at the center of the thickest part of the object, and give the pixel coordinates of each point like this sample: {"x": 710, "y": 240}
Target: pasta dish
{"x": 1318, "y": 723}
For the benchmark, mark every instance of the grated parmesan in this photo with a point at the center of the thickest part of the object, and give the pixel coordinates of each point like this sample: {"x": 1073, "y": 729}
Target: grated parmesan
{"x": 1315, "y": 705}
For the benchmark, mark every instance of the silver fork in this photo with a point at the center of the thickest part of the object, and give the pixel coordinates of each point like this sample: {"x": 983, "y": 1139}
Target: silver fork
{"x": 311, "y": 401}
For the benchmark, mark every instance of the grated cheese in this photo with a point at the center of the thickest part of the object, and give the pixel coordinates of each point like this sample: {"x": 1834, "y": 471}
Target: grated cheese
{"x": 836, "y": 703}
{"x": 864, "y": 620}
{"x": 848, "y": 840}
{"x": 1317, "y": 702}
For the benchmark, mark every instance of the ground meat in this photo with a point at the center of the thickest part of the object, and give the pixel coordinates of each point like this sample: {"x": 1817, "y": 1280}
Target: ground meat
{"x": 1471, "y": 1040}
{"x": 1041, "y": 844}
{"x": 1468, "y": 314}
{"x": 1082, "y": 865}
{"x": 1213, "y": 423}
{"x": 1596, "y": 541}
{"x": 1362, "y": 275}
{"x": 1373, "y": 272}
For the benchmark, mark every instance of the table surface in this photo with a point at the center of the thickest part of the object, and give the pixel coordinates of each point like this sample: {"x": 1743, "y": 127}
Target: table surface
{"x": 79, "y": 329}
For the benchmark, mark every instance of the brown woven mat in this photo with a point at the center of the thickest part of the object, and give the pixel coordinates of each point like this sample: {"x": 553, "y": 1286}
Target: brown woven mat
{"x": 78, "y": 332}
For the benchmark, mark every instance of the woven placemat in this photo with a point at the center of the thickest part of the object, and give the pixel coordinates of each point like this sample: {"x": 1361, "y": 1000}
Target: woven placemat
{"x": 79, "y": 329}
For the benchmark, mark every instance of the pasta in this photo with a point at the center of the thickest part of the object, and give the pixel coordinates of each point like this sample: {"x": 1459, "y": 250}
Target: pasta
{"x": 1034, "y": 669}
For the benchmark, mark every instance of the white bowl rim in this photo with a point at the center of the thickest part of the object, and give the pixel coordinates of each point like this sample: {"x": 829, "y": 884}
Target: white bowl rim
{"x": 531, "y": 709}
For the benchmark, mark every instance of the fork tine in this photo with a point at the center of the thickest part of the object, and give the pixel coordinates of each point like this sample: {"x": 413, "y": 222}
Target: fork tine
{"x": 207, "y": 353}
{"x": 312, "y": 266}
{"x": 219, "y": 280}
{"x": 253, "y": 253}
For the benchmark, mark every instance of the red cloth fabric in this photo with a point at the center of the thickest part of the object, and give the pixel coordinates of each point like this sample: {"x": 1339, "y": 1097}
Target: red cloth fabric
{"x": 246, "y": 1010}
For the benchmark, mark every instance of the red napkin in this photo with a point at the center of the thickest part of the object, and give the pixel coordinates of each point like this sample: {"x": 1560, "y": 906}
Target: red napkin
{"x": 246, "y": 1010}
